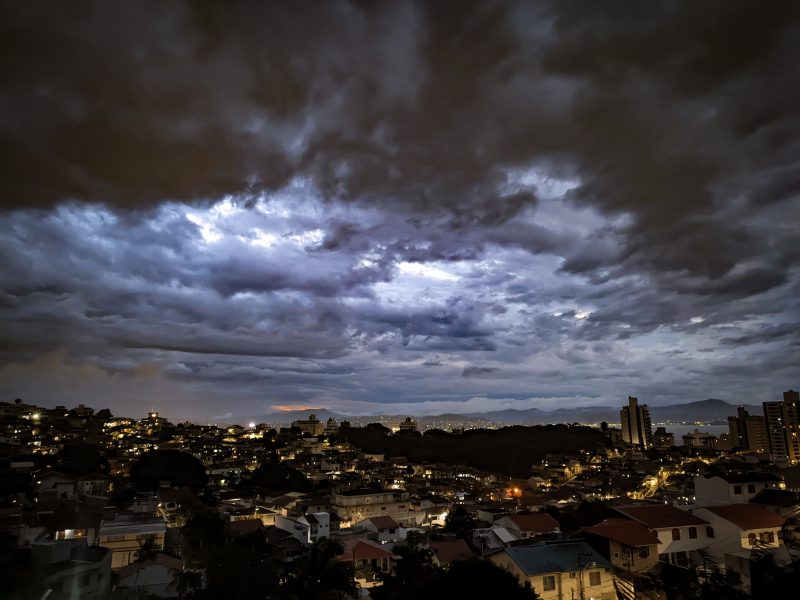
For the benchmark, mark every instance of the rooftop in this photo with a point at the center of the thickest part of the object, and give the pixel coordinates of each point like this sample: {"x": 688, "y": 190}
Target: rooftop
{"x": 747, "y": 516}
{"x": 360, "y": 549}
{"x": 624, "y": 531}
{"x": 773, "y": 497}
{"x": 556, "y": 557}
{"x": 384, "y": 522}
{"x": 363, "y": 492}
{"x": 448, "y": 551}
{"x": 751, "y": 477}
{"x": 660, "y": 516}
{"x": 539, "y": 522}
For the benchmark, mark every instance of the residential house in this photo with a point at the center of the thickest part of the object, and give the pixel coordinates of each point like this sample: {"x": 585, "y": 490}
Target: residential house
{"x": 740, "y": 527}
{"x": 680, "y": 533}
{"x": 92, "y": 485}
{"x": 127, "y": 533}
{"x": 447, "y": 551}
{"x": 382, "y": 529}
{"x": 367, "y": 558}
{"x": 559, "y": 570}
{"x": 307, "y": 529}
{"x": 153, "y": 576}
{"x": 285, "y": 546}
{"x": 628, "y": 544}
{"x": 356, "y": 505}
{"x": 780, "y": 502}
{"x": 732, "y": 488}
{"x": 72, "y": 569}
{"x": 530, "y": 525}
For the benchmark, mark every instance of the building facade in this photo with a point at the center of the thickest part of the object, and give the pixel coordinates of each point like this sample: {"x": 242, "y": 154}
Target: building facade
{"x": 637, "y": 428}
{"x": 748, "y": 432}
{"x": 783, "y": 426}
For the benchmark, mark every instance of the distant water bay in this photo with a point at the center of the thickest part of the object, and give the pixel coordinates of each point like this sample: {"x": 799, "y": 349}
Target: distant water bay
{"x": 681, "y": 430}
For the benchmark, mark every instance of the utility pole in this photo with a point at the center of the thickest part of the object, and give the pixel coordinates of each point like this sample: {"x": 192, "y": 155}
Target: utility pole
{"x": 580, "y": 573}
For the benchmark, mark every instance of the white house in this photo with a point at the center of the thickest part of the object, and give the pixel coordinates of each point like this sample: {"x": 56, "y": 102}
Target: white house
{"x": 383, "y": 529}
{"x": 71, "y": 569}
{"x": 307, "y": 529}
{"x": 732, "y": 488}
{"x": 530, "y": 525}
{"x": 680, "y": 533}
{"x": 740, "y": 527}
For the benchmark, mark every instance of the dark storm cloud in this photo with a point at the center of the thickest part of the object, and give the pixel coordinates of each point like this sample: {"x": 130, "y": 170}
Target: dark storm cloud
{"x": 531, "y": 184}
{"x": 475, "y": 371}
{"x": 421, "y": 106}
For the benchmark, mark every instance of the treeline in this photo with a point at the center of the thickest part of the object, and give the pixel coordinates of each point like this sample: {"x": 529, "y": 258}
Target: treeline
{"x": 510, "y": 450}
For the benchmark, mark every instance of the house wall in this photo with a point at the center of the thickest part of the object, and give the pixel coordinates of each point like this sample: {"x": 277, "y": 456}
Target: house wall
{"x": 627, "y": 557}
{"x": 88, "y": 581}
{"x": 125, "y": 547}
{"x": 351, "y": 509}
{"x": 731, "y": 539}
{"x": 715, "y": 490}
{"x": 300, "y": 531}
{"x": 567, "y": 585}
{"x": 152, "y": 579}
{"x": 685, "y": 544}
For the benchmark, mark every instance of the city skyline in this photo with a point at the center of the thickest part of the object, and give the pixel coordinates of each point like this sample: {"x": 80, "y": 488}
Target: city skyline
{"x": 405, "y": 209}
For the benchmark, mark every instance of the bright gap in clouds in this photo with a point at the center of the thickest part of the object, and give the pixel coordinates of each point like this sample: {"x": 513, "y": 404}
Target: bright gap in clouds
{"x": 426, "y": 271}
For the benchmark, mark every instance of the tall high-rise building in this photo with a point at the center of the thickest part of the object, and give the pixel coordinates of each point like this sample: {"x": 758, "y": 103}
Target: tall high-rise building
{"x": 748, "y": 432}
{"x": 636, "y": 426}
{"x": 783, "y": 426}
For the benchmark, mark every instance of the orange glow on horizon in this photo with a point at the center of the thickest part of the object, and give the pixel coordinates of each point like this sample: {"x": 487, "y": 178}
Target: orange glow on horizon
{"x": 293, "y": 407}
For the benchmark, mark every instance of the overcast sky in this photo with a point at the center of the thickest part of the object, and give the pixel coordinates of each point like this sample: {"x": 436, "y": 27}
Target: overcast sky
{"x": 224, "y": 209}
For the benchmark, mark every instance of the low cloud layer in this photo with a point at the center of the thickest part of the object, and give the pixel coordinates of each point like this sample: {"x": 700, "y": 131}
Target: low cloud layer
{"x": 368, "y": 207}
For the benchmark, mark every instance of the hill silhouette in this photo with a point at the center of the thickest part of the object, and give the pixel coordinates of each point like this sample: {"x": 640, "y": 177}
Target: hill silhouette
{"x": 509, "y": 450}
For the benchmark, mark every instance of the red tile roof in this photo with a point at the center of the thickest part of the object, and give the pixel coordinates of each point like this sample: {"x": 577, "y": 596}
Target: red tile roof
{"x": 245, "y": 526}
{"x": 748, "y": 516}
{"x": 363, "y": 550}
{"x": 624, "y": 531}
{"x": 448, "y": 551}
{"x": 661, "y": 516}
{"x": 384, "y": 522}
{"x": 537, "y": 522}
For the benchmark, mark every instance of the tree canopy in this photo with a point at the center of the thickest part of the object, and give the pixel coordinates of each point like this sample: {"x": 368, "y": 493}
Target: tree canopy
{"x": 510, "y": 450}
{"x": 179, "y": 468}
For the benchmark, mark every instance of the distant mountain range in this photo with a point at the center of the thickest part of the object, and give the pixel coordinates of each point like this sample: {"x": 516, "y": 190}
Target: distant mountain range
{"x": 703, "y": 410}
{"x": 706, "y": 411}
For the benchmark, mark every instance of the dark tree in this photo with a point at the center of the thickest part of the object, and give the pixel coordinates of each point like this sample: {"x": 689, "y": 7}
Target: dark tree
{"x": 277, "y": 477}
{"x": 319, "y": 575}
{"x": 179, "y": 468}
{"x": 202, "y": 535}
{"x": 82, "y": 459}
{"x": 459, "y": 522}
{"x": 242, "y": 569}
{"x": 464, "y": 579}
{"x": 413, "y": 566}
{"x": 510, "y": 450}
